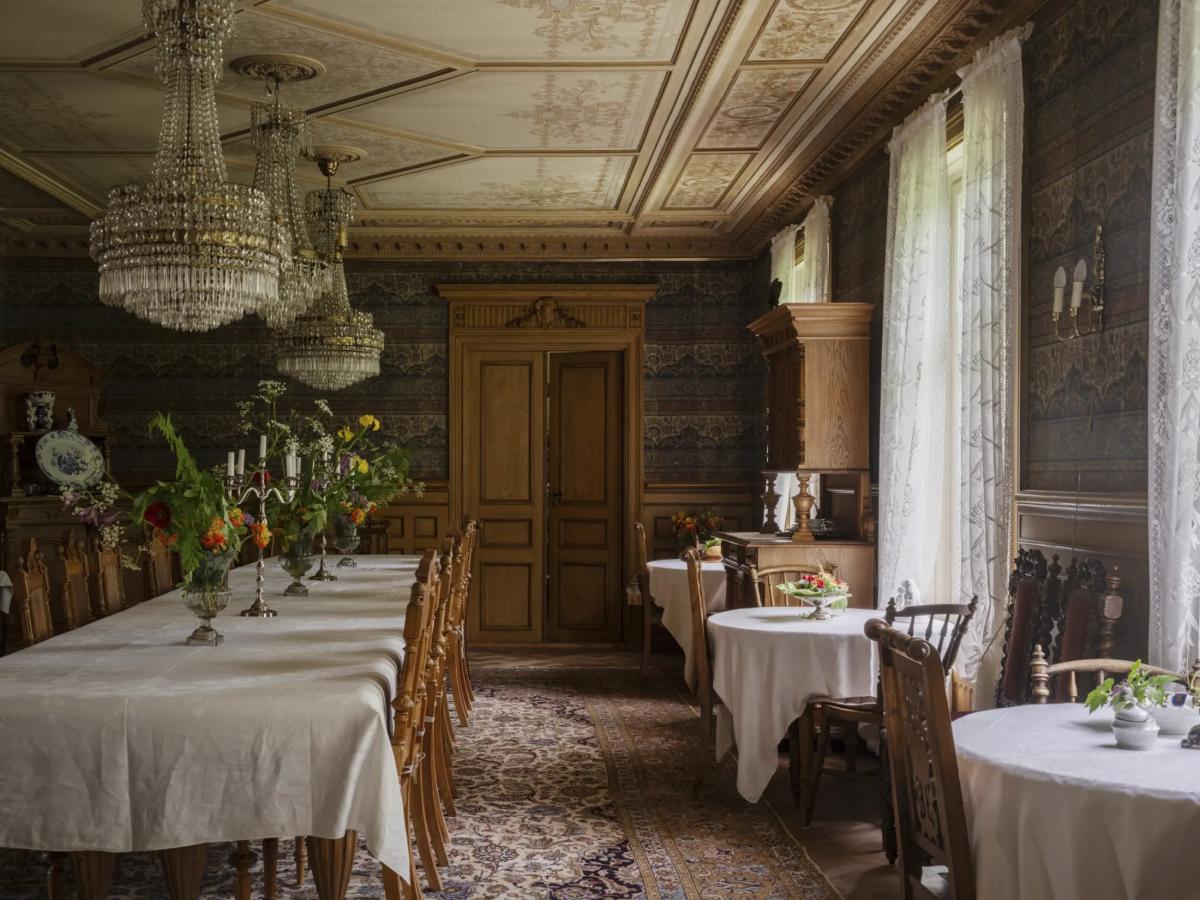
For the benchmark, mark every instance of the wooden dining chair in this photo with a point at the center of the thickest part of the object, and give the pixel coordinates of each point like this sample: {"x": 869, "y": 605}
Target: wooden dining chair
{"x": 934, "y": 848}
{"x": 764, "y": 582}
{"x": 706, "y": 694}
{"x": 1042, "y": 673}
{"x": 37, "y": 622}
{"x": 1089, "y": 612}
{"x": 1033, "y": 601}
{"x": 108, "y": 580}
{"x": 942, "y": 625}
{"x": 459, "y": 670}
{"x": 650, "y": 613}
{"x": 160, "y": 576}
{"x": 374, "y": 536}
{"x": 75, "y": 601}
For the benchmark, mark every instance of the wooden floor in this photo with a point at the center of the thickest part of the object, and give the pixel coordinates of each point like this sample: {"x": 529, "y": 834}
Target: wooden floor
{"x": 844, "y": 839}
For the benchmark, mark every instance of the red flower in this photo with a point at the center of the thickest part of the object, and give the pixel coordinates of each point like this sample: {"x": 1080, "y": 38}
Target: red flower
{"x": 262, "y": 477}
{"x": 158, "y": 514}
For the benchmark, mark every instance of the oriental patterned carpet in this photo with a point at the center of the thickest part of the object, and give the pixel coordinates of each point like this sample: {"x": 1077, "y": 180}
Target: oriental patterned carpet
{"x": 574, "y": 782}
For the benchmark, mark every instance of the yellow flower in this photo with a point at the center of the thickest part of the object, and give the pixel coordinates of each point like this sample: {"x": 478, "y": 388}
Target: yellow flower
{"x": 361, "y": 465}
{"x": 369, "y": 421}
{"x": 346, "y": 433}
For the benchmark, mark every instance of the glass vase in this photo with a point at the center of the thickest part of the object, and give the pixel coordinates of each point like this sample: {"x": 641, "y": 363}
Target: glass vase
{"x": 297, "y": 560}
{"x": 206, "y": 594}
{"x": 345, "y": 540}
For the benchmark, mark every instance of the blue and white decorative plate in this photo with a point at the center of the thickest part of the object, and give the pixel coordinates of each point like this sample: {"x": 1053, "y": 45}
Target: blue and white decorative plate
{"x": 68, "y": 458}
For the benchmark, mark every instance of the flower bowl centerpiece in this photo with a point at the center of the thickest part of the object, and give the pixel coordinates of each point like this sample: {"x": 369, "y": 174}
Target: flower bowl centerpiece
{"x": 696, "y": 529}
{"x": 1133, "y": 702}
{"x": 822, "y": 590}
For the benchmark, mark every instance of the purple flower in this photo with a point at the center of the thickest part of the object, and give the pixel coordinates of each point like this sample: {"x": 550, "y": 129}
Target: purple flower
{"x": 319, "y": 484}
{"x": 70, "y": 498}
{"x": 248, "y": 519}
{"x": 344, "y": 464}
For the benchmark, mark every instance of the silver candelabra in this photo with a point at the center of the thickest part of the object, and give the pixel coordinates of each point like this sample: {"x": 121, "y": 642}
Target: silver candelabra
{"x": 242, "y": 492}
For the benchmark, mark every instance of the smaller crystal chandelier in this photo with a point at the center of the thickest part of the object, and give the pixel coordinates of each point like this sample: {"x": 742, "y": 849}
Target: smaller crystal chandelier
{"x": 187, "y": 249}
{"x": 331, "y": 346}
{"x": 280, "y": 134}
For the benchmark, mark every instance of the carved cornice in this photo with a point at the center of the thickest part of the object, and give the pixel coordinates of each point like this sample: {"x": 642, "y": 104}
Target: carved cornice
{"x": 898, "y": 88}
{"x": 433, "y": 246}
{"x": 560, "y": 307}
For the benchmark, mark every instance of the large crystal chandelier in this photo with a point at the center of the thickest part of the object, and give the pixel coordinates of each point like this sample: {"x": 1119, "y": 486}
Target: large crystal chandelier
{"x": 331, "y": 346}
{"x": 280, "y": 134}
{"x": 188, "y": 249}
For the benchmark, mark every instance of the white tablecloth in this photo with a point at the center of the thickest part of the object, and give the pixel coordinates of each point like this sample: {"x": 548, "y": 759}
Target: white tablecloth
{"x": 1056, "y": 809}
{"x": 768, "y": 664}
{"x": 117, "y": 736}
{"x": 669, "y": 588}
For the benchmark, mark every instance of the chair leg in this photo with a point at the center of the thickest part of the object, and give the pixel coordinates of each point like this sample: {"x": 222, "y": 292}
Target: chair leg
{"x": 56, "y": 876}
{"x": 94, "y": 873}
{"x": 438, "y": 832}
{"x": 888, "y": 822}
{"x": 301, "y": 854}
{"x": 850, "y": 741}
{"x": 242, "y": 858}
{"x": 704, "y": 757}
{"x": 183, "y": 870}
{"x": 807, "y": 766}
{"x": 421, "y": 832}
{"x": 270, "y": 868}
{"x": 647, "y": 625}
{"x": 444, "y": 716}
{"x": 441, "y": 762}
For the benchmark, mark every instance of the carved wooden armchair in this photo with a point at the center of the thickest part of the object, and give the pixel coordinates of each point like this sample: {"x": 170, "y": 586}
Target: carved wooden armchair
{"x": 37, "y": 623}
{"x": 108, "y": 595}
{"x": 75, "y": 601}
{"x": 1033, "y": 606}
{"x": 930, "y": 820}
{"x": 1041, "y": 673}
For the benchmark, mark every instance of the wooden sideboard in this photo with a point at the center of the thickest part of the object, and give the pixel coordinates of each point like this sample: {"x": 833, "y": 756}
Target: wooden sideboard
{"x": 854, "y": 561}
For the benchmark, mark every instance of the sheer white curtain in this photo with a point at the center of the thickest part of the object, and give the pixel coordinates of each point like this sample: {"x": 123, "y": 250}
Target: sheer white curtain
{"x": 814, "y": 281}
{"x": 918, "y": 477}
{"x": 1174, "y": 389}
{"x": 990, "y": 240}
{"x": 783, "y": 262}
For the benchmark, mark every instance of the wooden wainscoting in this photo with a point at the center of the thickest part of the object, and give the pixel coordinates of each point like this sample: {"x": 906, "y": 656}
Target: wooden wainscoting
{"x": 737, "y": 502}
{"x": 418, "y": 523}
{"x": 1109, "y": 527}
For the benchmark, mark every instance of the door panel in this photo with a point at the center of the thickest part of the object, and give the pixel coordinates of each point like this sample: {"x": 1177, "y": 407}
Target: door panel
{"x": 504, "y": 486}
{"x": 585, "y": 488}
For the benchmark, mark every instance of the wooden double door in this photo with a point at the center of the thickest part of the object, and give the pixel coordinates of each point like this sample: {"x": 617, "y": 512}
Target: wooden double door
{"x": 543, "y": 449}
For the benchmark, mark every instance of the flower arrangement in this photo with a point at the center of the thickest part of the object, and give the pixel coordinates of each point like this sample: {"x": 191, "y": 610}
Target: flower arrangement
{"x": 696, "y": 528}
{"x": 1138, "y": 690}
{"x": 822, "y": 584}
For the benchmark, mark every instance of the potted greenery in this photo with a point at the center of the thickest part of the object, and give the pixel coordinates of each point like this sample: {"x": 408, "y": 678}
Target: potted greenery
{"x": 1132, "y": 700}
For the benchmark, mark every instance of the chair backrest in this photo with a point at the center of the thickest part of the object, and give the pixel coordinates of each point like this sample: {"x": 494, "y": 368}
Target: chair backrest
{"x": 160, "y": 578}
{"x": 1089, "y": 612}
{"x": 765, "y": 581}
{"x": 931, "y": 824}
{"x": 37, "y": 623}
{"x": 75, "y": 599}
{"x": 1041, "y": 673}
{"x": 942, "y": 624}
{"x": 1033, "y": 592}
{"x": 409, "y": 705}
{"x": 109, "y": 580}
{"x": 700, "y": 654}
{"x": 643, "y": 562}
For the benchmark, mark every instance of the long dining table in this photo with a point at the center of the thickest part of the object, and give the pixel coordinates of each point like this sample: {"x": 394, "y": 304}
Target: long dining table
{"x": 119, "y": 737}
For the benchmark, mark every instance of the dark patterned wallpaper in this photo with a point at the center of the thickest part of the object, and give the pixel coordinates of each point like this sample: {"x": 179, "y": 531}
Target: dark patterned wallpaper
{"x": 1090, "y": 74}
{"x": 703, "y": 371}
{"x": 859, "y": 224}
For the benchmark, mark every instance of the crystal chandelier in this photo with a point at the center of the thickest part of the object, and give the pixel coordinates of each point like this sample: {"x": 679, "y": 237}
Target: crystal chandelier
{"x": 188, "y": 249}
{"x": 280, "y": 134}
{"x": 331, "y": 346}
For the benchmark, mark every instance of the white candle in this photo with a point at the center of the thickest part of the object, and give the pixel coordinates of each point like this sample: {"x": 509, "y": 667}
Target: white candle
{"x": 229, "y": 466}
{"x": 1060, "y": 284}
{"x": 241, "y": 461}
{"x": 1077, "y": 285}
{"x": 289, "y": 465}
{"x": 262, "y": 447}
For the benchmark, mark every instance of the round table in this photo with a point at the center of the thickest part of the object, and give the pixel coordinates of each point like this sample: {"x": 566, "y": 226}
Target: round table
{"x": 769, "y": 663}
{"x": 669, "y": 588}
{"x": 1056, "y": 809}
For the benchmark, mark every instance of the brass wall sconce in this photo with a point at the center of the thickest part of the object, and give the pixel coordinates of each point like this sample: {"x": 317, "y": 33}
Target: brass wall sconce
{"x": 1095, "y": 307}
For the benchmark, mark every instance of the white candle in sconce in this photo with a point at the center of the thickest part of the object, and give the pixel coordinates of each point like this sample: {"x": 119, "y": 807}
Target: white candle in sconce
{"x": 262, "y": 447}
{"x": 1060, "y": 284}
{"x": 1077, "y": 284}
{"x": 241, "y": 461}
{"x": 229, "y": 465}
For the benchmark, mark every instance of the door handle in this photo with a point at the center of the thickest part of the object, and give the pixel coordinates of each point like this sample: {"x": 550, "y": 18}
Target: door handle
{"x": 553, "y": 496}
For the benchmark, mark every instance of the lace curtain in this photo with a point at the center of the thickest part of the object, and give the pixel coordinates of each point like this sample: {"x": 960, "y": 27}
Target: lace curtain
{"x": 990, "y": 239}
{"x": 813, "y": 285}
{"x": 917, "y": 477}
{"x": 783, "y": 262}
{"x": 1174, "y": 388}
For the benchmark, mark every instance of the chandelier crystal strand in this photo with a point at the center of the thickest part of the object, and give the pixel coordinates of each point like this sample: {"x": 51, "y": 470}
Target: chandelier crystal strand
{"x": 280, "y": 135}
{"x": 331, "y": 346}
{"x": 187, "y": 249}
